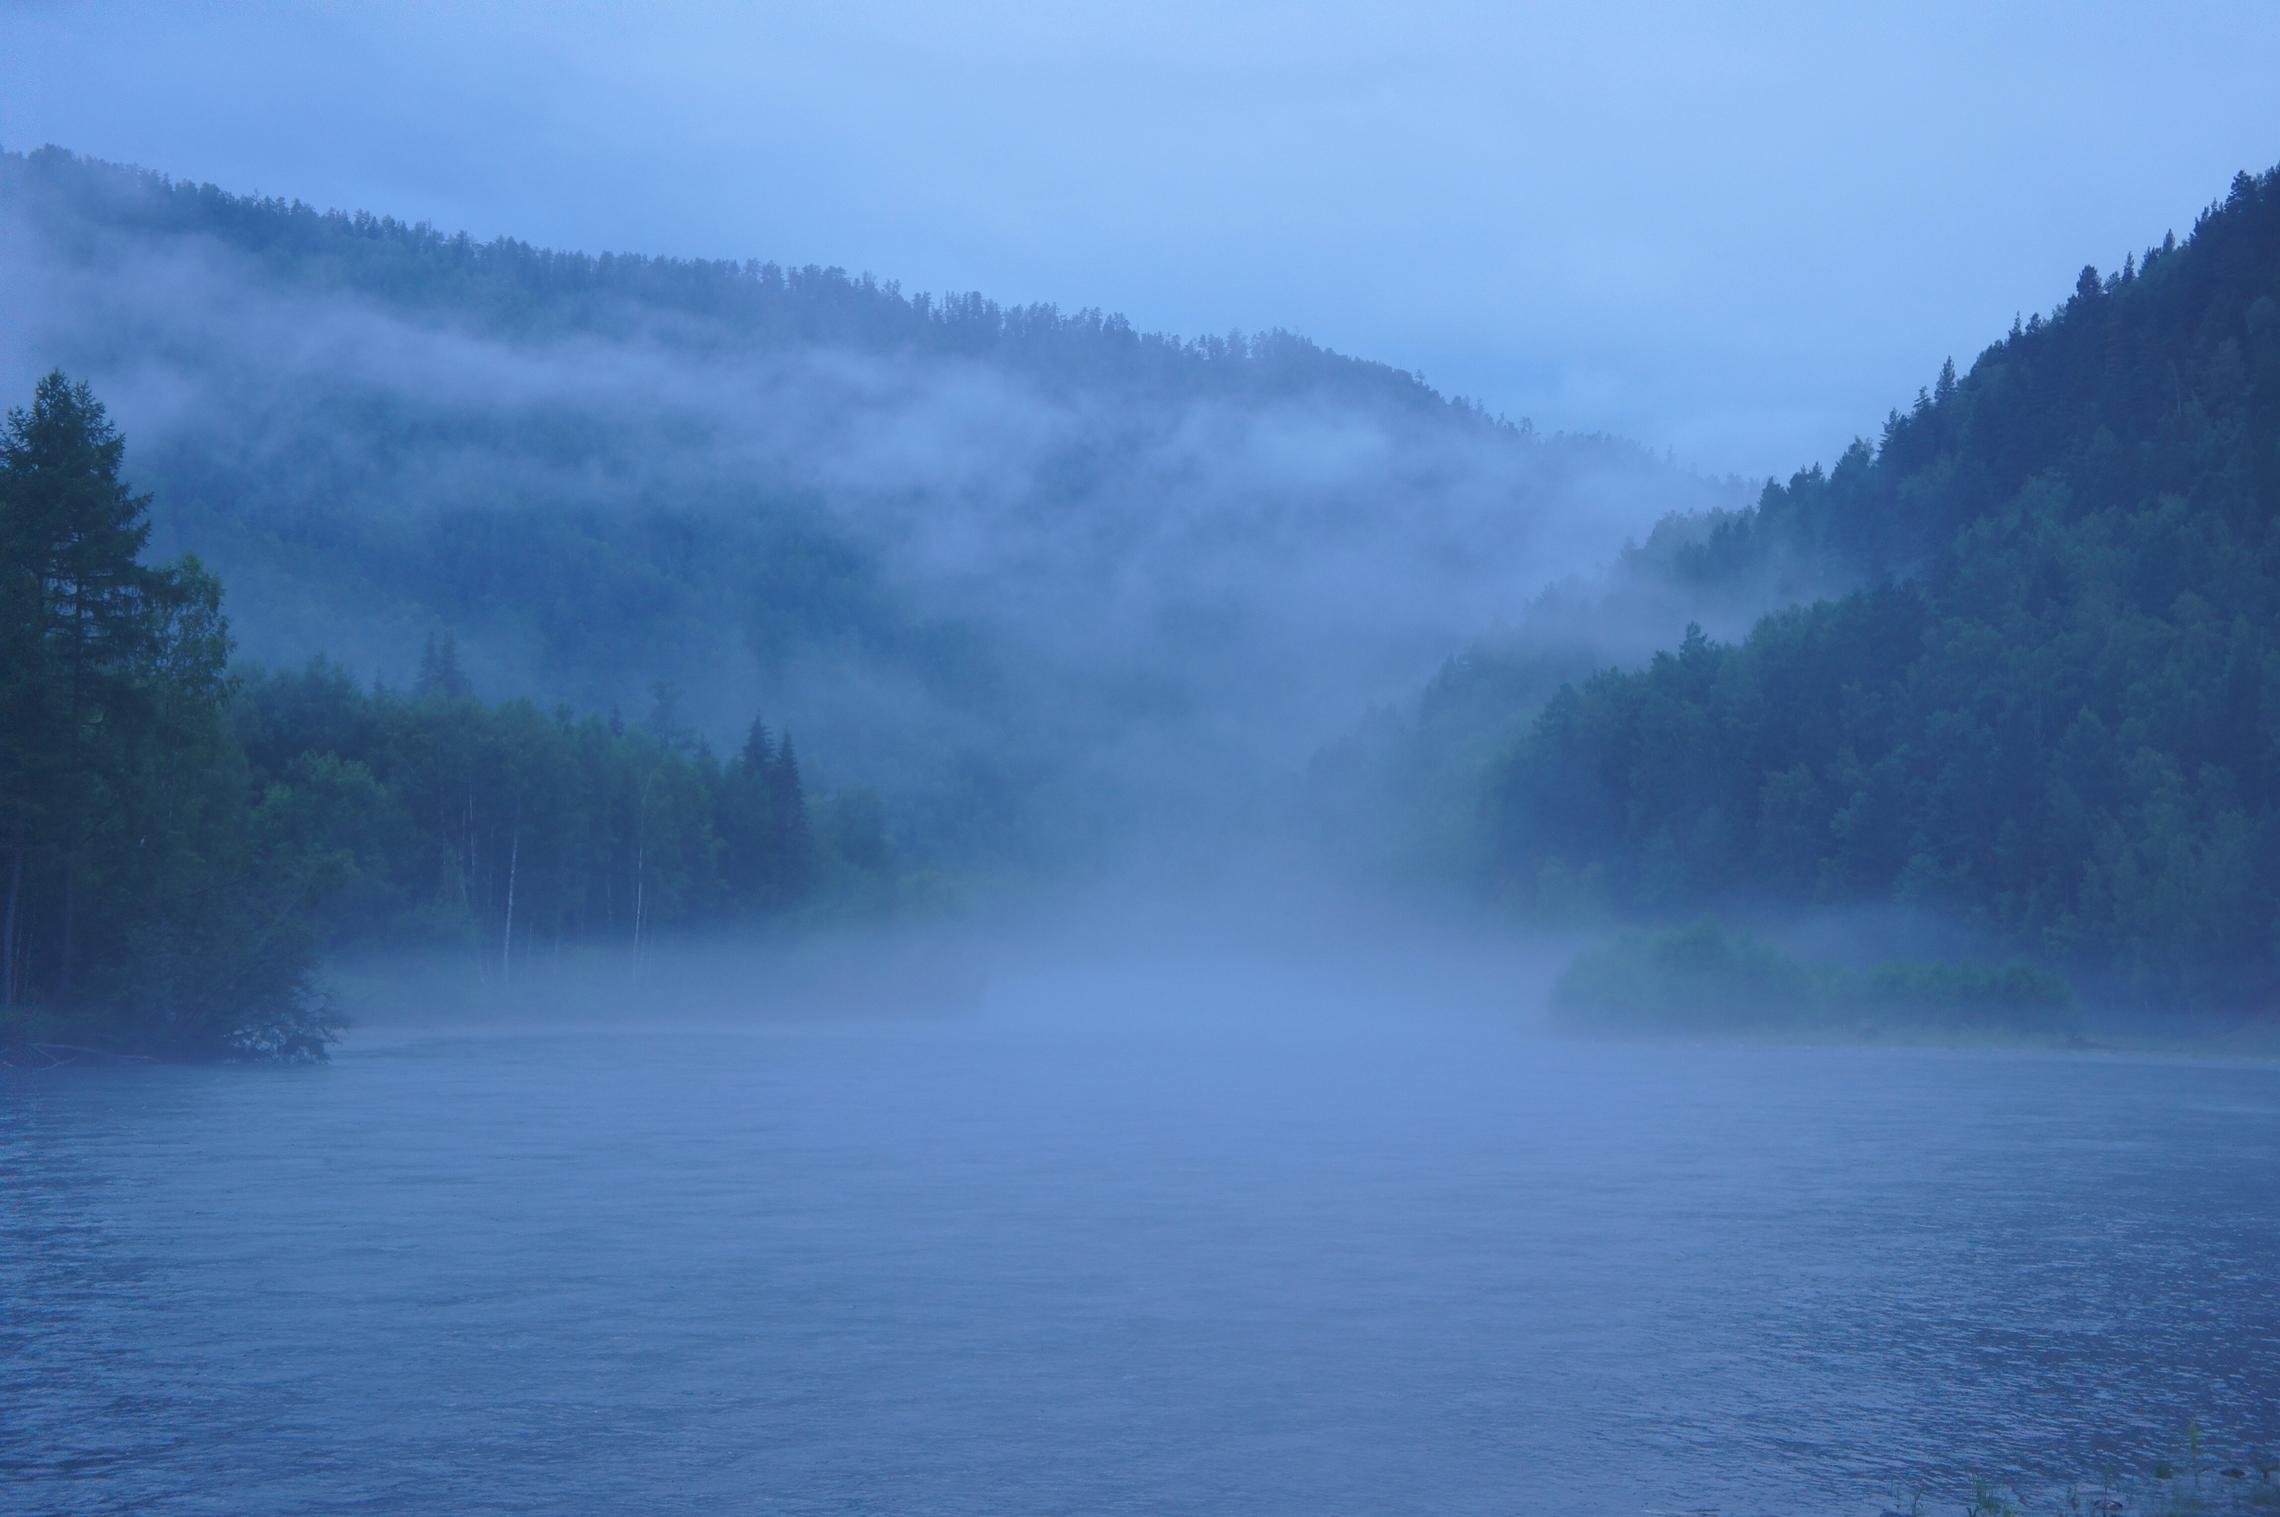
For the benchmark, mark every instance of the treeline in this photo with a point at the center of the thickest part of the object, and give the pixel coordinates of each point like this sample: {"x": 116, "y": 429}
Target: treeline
{"x": 181, "y": 845}
{"x": 512, "y": 830}
{"x": 701, "y": 304}
{"x": 2155, "y": 379}
{"x": 1709, "y": 978}
{"x": 2056, "y": 716}
{"x": 982, "y": 554}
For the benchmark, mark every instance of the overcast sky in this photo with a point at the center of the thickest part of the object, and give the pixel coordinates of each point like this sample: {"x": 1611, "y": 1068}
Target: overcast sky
{"x": 1741, "y": 232}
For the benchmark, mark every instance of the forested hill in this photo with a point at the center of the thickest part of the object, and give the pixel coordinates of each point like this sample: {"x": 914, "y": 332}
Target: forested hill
{"x": 1006, "y": 564}
{"x": 89, "y": 208}
{"x": 2055, "y": 712}
{"x": 2142, "y": 383}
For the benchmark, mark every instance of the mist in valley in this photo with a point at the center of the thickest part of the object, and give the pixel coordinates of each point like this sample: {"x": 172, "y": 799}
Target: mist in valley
{"x": 1234, "y": 761}
{"x": 1112, "y": 578}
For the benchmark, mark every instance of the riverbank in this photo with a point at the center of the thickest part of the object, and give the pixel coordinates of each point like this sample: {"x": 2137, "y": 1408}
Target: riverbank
{"x": 2190, "y": 1480}
{"x": 1707, "y": 980}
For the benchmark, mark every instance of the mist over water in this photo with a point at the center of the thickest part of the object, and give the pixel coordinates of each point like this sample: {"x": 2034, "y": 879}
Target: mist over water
{"x": 1167, "y": 1230}
{"x": 1120, "y": 1057}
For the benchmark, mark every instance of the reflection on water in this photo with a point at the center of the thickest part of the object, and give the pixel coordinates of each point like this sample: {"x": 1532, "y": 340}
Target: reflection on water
{"x": 1039, "y": 1264}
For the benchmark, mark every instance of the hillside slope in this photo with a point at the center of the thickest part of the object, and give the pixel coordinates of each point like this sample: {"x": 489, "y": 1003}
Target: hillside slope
{"x": 2053, "y": 713}
{"x": 990, "y": 559}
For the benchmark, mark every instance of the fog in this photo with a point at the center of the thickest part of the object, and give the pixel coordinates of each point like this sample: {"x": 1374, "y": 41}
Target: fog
{"x": 1741, "y": 234}
{"x": 1163, "y": 1044}
{"x": 1139, "y": 589}
{"x": 1323, "y": 1229}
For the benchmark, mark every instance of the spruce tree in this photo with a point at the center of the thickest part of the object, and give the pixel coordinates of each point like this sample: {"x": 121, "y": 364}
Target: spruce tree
{"x": 441, "y": 675}
{"x": 759, "y": 749}
{"x": 789, "y": 805}
{"x": 84, "y": 616}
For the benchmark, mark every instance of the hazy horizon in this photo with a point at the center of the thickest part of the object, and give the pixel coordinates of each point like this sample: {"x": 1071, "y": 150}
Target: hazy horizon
{"x": 1464, "y": 192}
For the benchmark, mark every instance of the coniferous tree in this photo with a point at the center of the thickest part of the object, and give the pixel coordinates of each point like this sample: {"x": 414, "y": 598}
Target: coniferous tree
{"x": 90, "y": 615}
{"x": 751, "y": 859}
{"x": 178, "y": 845}
{"x": 441, "y": 674}
{"x": 25, "y": 762}
{"x": 144, "y": 886}
{"x": 759, "y": 750}
{"x": 789, "y": 803}
{"x": 2053, "y": 709}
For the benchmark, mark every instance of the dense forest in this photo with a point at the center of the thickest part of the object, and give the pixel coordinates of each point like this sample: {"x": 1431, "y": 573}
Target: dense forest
{"x": 1040, "y": 582}
{"x": 183, "y": 843}
{"x": 1036, "y": 576}
{"x": 2050, "y": 710}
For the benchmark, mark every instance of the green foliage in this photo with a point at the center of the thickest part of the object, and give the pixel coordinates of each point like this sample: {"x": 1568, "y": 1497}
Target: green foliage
{"x": 986, "y": 554}
{"x": 2013, "y": 995}
{"x": 2056, "y": 715}
{"x": 1707, "y": 978}
{"x": 1989, "y": 1499}
{"x": 150, "y": 899}
{"x": 2168, "y": 1489}
{"x": 1695, "y": 978}
{"x": 507, "y": 829}
{"x": 178, "y": 848}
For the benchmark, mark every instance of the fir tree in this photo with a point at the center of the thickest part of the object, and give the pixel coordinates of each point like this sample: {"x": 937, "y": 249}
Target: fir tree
{"x": 759, "y": 751}
{"x": 441, "y": 675}
{"x": 788, "y": 797}
{"x": 84, "y": 616}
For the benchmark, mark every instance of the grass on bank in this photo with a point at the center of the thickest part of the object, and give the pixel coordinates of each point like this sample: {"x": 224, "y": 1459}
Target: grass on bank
{"x": 2189, "y": 1481}
{"x": 2192, "y": 1480}
{"x": 1709, "y": 979}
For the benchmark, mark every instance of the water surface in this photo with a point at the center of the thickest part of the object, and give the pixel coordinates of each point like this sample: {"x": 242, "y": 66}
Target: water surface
{"x": 1039, "y": 1261}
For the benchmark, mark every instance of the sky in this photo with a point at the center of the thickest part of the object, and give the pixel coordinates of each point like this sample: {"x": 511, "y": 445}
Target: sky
{"x": 1739, "y": 232}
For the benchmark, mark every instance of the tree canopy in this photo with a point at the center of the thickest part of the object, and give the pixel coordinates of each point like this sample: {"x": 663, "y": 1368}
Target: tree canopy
{"x": 2054, "y": 709}
{"x": 179, "y": 844}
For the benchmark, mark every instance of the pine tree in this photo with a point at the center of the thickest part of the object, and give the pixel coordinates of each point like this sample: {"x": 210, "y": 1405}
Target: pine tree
{"x": 25, "y": 686}
{"x": 788, "y": 798}
{"x": 84, "y": 615}
{"x": 441, "y": 674}
{"x": 751, "y": 855}
{"x": 759, "y": 749}
{"x": 664, "y": 722}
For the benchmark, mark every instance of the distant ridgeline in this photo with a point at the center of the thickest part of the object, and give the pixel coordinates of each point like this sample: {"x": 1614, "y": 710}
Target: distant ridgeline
{"x": 977, "y": 554}
{"x": 92, "y": 209}
{"x": 2052, "y": 707}
{"x": 178, "y": 846}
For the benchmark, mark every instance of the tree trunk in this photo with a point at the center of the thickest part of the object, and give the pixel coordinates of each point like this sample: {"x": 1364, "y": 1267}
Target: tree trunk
{"x": 69, "y": 961}
{"x": 75, "y": 793}
{"x": 639, "y": 884}
{"x": 9, "y": 971}
{"x": 507, "y": 938}
{"x": 467, "y": 883}
{"x": 640, "y": 869}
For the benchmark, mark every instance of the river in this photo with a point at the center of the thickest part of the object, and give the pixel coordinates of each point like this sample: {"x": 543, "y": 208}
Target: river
{"x": 1033, "y": 1260}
